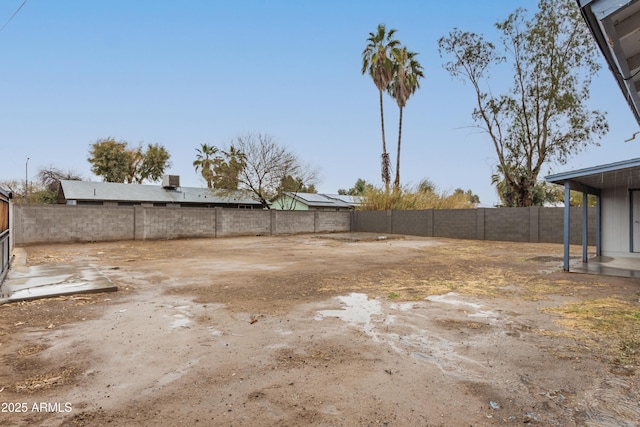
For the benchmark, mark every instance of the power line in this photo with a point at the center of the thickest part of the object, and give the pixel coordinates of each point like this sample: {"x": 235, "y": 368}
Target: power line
{"x": 13, "y": 16}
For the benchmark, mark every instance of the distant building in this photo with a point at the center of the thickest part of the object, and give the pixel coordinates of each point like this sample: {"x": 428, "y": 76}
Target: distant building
{"x": 169, "y": 194}
{"x": 313, "y": 201}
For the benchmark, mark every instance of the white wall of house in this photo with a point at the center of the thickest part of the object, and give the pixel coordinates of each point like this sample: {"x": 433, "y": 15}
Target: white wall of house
{"x": 615, "y": 222}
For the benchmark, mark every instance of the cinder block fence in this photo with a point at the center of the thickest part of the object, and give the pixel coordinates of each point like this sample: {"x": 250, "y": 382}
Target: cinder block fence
{"x": 535, "y": 224}
{"x": 62, "y": 223}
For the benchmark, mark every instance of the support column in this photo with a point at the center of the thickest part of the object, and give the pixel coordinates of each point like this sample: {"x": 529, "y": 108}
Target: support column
{"x": 598, "y": 226}
{"x": 585, "y": 229}
{"x": 567, "y": 224}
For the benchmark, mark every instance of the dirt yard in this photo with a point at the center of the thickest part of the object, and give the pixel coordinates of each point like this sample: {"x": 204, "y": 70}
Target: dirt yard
{"x": 324, "y": 331}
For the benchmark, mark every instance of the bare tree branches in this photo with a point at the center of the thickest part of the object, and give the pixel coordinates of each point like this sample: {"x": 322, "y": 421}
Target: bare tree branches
{"x": 265, "y": 164}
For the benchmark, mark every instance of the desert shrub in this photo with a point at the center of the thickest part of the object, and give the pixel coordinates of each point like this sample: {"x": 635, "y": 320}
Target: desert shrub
{"x": 407, "y": 198}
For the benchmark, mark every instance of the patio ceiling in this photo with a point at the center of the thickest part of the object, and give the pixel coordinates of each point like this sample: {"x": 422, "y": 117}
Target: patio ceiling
{"x": 624, "y": 174}
{"x": 615, "y": 24}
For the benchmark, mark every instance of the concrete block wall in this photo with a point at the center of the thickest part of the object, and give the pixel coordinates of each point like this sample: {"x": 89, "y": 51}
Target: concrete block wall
{"x": 60, "y": 223}
{"x": 552, "y": 225}
{"x": 326, "y": 221}
{"x": 510, "y": 224}
{"x": 457, "y": 223}
{"x": 372, "y": 221}
{"x": 417, "y": 223}
{"x": 551, "y": 230}
{"x": 535, "y": 224}
{"x": 242, "y": 222}
{"x": 174, "y": 223}
{"x": 292, "y": 222}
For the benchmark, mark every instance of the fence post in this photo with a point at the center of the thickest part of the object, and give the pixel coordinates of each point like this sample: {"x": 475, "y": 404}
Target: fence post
{"x": 430, "y": 225}
{"x": 273, "y": 226}
{"x": 316, "y": 219}
{"x": 534, "y": 224}
{"x": 138, "y": 223}
{"x": 217, "y": 223}
{"x": 480, "y": 223}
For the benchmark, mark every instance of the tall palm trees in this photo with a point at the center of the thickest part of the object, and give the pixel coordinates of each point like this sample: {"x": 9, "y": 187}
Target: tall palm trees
{"x": 393, "y": 69}
{"x": 205, "y": 161}
{"x": 376, "y": 61}
{"x": 406, "y": 81}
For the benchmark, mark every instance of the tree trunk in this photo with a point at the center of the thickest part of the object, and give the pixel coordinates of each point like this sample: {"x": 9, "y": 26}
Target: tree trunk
{"x": 396, "y": 184}
{"x": 386, "y": 176}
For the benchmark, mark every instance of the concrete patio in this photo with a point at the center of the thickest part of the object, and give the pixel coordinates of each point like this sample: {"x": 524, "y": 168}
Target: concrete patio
{"x": 42, "y": 281}
{"x": 609, "y": 266}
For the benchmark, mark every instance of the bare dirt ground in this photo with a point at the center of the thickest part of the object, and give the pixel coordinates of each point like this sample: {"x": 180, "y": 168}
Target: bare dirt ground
{"x": 323, "y": 331}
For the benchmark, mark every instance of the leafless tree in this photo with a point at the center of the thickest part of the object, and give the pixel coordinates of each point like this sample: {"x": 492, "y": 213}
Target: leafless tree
{"x": 265, "y": 164}
{"x": 50, "y": 177}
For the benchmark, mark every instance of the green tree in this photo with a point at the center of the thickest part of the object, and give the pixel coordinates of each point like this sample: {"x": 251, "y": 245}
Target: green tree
{"x": 358, "y": 189}
{"x": 543, "y": 193}
{"x": 377, "y": 63}
{"x": 110, "y": 160}
{"x": 426, "y": 186}
{"x": 405, "y": 82}
{"x": 115, "y": 162}
{"x": 543, "y": 118}
{"x": 473, "y": 199}
{"x": 154, "y": 162}
{"x": 295, "y": 185}
{"x": 205, "y": 161}
{"x": 226, "y": 169}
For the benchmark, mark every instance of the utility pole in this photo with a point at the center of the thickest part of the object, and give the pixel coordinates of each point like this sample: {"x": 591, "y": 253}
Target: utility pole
{"x": 26, "y": 181}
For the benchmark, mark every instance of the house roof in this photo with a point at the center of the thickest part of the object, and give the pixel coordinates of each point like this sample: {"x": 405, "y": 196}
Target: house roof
{"x": 319, "y": 200}
{"x": 351, "y": 200}
{"x": 619, "y": 174}
{"x": 615, "y": 25}
{"x": 117, "y": 192}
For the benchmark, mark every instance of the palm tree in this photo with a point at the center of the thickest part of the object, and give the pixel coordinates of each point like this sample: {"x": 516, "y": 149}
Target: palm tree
{"x": 376, "y": 61}
{"x": 227, "y": 169}
{"x": 205, "y": 162}
{"x": 406, "y": 80}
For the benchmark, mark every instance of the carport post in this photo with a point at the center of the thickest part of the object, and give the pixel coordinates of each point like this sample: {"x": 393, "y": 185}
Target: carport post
{"x": 567, "y": 212}
{"x": 598, "y": 225}
{"x": 585, "y": 230}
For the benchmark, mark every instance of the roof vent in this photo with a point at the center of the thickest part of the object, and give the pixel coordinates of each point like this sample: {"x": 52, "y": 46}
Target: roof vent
{"x": 170, "y": 182}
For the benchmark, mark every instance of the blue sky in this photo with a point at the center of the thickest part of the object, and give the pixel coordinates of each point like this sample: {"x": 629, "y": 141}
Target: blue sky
{"x": 183, "y": 73}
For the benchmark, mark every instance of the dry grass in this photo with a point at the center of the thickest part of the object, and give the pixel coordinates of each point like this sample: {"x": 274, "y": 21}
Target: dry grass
{"x": 599, "y": 321}
{"x": 45, "y": 381}
{"x": 407, "y": 199}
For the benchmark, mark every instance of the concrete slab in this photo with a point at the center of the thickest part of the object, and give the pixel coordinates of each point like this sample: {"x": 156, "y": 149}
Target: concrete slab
{"x": 44, "y": 281}
{"x": 359, "y": 236}
{"x": 608, "y": 266}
